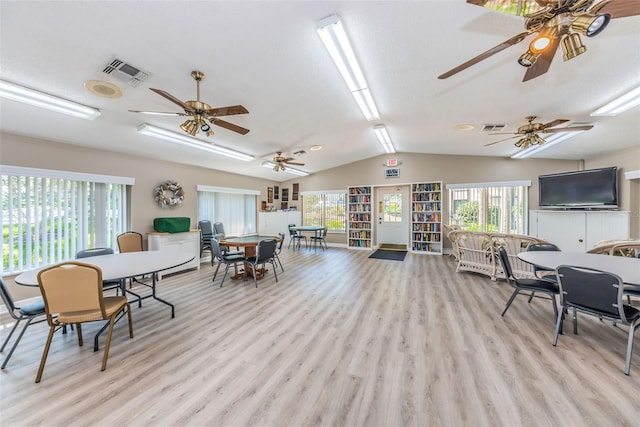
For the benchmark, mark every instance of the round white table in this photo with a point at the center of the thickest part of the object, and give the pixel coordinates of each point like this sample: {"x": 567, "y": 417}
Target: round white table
{"x": 122, "y": 266}
{"x": 627, "y": 268}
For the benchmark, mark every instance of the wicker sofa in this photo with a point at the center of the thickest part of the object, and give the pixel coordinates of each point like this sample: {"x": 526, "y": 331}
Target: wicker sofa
{"x": 476, "y": 252}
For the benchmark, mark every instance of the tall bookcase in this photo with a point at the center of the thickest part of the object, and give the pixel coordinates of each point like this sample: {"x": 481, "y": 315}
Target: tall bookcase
{"x": 426, "y": 217}
{"x": 360, "y": 216}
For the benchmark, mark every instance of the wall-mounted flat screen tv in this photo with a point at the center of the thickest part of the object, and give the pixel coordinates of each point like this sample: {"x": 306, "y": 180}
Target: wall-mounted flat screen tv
{"x": 586, "y": 189}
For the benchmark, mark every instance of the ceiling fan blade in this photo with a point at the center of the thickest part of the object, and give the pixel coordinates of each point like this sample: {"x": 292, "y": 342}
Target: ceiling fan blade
{"x": 618, "y": 8}
{"x": 504, "y": 133}
{"x": 553, "y": 123}
{"x": 227, "y": 111}
{"x": 505, "y": 44}
{"x": 158, "y": 113}
{"x": 518, "y": 7}
{"x": 229, "y": 126}
{"x": 543, "y": 63}
{"x": 294, "y": 163}
{"x": 502, "y": 140}
{"x": 569, "y": 129}
{"x": 171, "y": 98}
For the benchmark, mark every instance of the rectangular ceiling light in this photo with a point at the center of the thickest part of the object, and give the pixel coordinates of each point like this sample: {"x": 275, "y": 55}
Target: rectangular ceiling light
{"x": 551, "y": 141}
{"x": 620, "y": 105}
{"x": 42, "y": 100}
{"x": 384, "y": 138}
{"x": 288, "y": 169}
{"x": 150, "y": 130}
{"x": 335, "y": 39}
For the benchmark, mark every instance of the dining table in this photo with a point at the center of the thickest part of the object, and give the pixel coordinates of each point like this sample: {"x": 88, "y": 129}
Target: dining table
{"x": 627, "y": 268}
{"x": 122, "y": 266}
{"x": 307, "y": 228}
{"x": 249, "y": 243}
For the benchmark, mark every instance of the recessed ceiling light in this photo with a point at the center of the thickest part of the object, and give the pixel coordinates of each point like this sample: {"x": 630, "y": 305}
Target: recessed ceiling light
{"x": 103, "y": 89}
{"x": 464, "y": 127}
{"x": 315, "y": 147}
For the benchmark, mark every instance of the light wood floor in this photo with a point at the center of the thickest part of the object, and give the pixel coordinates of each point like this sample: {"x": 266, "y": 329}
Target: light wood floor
{"x": 340, "y": 340}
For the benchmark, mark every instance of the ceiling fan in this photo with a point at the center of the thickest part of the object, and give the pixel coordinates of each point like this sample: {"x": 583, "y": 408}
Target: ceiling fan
{"x": 201, "y": 114}
{"x": 528, "y": 133}
{"x": 557, "y": 23}
{"x": 280, "y": 161}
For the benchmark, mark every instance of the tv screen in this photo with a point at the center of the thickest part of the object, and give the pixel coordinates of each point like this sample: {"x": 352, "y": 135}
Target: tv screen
{"x": 593, "y": 188}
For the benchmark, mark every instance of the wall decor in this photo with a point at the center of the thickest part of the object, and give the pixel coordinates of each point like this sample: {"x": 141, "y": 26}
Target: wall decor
{"x": 168, "y": 194}
{"x": 294, "y": 191}
{"x": 285, "y": 194}
{"x": 276, "y": 192}
{"x": 270, "y": 195}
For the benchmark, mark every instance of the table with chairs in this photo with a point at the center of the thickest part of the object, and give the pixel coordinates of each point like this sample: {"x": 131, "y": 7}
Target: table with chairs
{"x": 593, "y": 284}
{"x": 258, "y": 250}
{"x": 296, "y": 233}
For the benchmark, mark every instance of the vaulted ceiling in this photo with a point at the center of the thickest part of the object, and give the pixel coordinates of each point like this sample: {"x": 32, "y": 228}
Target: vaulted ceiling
{"x": 268, "y": 57}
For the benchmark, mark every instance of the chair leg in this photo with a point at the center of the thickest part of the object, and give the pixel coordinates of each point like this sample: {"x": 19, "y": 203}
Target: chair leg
{"x": 108, "y": 343}
{"x": 216, "y": 272}
{"x": 275, "y": 273}
{"x": 280, "y": 262}
{"x": 130, "y": 321}
{"x": 253, "y": 270}
{"x": 627, "y": 363}
{"x": 533, "y": 293}
{"x": 15, "y": 344}
{"x": 79, "y": 326}
{"x": 513, "y": 296}
{"x": 15, "y": 326}
{"x": 225, "y": 274}
{"x": 52, "y": 330}
{"x": 558, "y": 326}
{"x": 555, "y": 306}
{"x": 575, "y": 321}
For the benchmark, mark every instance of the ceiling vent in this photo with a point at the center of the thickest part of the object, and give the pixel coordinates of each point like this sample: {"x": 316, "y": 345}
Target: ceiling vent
{"x": 129, "y": 74}
{"x": 493, "y": 128}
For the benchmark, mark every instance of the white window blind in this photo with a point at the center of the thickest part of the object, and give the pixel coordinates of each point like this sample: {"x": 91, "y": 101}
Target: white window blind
{"x": 235, "y": 208}
{"x": 48, "y": 218}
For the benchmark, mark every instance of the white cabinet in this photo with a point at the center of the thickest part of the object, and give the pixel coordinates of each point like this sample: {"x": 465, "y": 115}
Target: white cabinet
{"x": 272, "y": 223}
{"x": 579, "y": 231}
{"x": 188, "y": 242}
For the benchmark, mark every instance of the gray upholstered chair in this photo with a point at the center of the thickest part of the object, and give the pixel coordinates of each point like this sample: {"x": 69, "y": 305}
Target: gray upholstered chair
{"x": 29, "y": 312}
{"x": 265, "y": 253}
{"x": 226, "y": 259}
{"x": 597, "y": 293}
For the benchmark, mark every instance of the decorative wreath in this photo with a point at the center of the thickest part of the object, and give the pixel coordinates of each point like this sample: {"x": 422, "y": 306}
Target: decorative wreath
{"x": 168, "y": 194}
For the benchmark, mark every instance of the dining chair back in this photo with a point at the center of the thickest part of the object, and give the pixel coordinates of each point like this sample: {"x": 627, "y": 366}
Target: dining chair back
{"x": 87, "y": 253}
{"x": 265, "y": 252}
{"x": 296, "y": 237}
{"x": 222, "y": 258}
{"x": 29, "y": 312}
{"x": 279, "y": 250}
{"x": 597, "y": 293}
{"x": 206, "y": 234}
{"x": 219, "y": 233}
{"x": 530, "y": 286}
{"x": 72, "y": 293}
{"x": 130, "y": 241}
{"x": 319, "y": 239}
{"x": 542, "y": 272}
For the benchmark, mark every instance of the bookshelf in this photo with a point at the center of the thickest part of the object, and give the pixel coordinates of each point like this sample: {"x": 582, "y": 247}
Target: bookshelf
{"x": 359, "y": 213}
{"x": 426, "y": 217}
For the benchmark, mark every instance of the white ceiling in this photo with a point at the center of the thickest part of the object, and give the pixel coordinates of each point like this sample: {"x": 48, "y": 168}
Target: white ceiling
{"x": 268, "y": 57}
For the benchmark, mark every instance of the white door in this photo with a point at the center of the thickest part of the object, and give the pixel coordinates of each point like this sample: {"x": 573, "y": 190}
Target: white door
{"x": 392, "y": 215}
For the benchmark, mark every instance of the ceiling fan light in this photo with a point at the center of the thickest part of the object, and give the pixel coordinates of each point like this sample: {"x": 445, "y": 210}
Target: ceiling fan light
{"x": 527, "y": 59}
{"x": 590, "y": 25}
{"x": 205, "y": 127}
{"x": 572, "y": 46}
{"x": 539, "y": 44}
{"x": 186, "y": 125}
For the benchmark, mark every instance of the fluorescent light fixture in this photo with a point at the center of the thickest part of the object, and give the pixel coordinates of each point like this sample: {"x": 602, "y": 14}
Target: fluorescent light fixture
{"x": 42, "y": 100}
{"x": 287, "y": 169}
{"x": 619, "y": 105}
{"x": 335, "y": 39}
{"x": 384, "y": 138}
{"x": 551, "y": 141}
{"x": 150, "y": 130}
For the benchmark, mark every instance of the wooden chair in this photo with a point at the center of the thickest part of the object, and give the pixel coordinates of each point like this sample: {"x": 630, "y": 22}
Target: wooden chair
{"x": 72, "y": 293}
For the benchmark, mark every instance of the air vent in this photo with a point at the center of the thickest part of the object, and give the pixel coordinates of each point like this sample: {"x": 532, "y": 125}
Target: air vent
{"x": 129, "y": 74}
{"x": 492, "y": 128}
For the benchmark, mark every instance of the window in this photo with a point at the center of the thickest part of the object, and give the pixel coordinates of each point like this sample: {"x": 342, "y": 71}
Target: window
{"x": 47, "y": 216}
{"x": 235, "y": 208}
{"x": 499, "y": 207}
{"x": 325, "y": 209}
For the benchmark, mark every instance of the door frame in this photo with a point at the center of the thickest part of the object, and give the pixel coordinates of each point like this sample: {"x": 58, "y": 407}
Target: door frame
{"x": 406, "y": 206}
